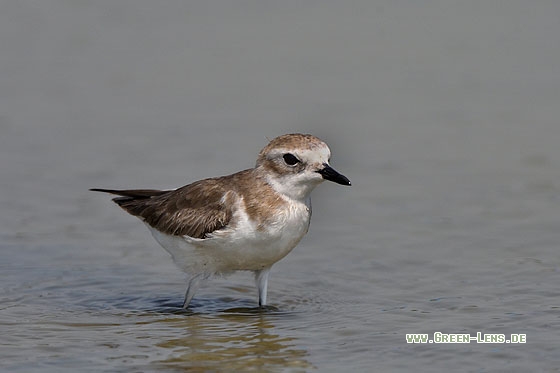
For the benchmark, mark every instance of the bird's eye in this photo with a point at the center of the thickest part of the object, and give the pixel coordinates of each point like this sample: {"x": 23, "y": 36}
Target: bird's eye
{"x": 290, "y": 159}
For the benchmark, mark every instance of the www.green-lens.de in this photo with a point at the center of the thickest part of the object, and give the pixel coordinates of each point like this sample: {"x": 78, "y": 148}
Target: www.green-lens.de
{"x": 466, "y": 338}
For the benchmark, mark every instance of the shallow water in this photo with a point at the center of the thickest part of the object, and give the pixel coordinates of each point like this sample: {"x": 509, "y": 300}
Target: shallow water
{"x": 444, "y": 116}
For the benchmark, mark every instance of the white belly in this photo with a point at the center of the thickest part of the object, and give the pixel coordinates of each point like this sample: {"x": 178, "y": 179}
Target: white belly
{"x": 242, "y": 248}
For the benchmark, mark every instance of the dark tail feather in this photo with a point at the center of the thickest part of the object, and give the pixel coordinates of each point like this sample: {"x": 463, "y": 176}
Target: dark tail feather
{"x": 137, "y": 202}
{"x": 132, "y": 193}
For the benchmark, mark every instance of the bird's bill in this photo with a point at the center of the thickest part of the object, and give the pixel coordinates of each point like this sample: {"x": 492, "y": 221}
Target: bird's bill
{"x": 331, "y": 174}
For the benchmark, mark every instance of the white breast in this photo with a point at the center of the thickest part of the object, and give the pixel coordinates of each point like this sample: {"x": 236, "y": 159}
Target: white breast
{"x": 241, "y": 248}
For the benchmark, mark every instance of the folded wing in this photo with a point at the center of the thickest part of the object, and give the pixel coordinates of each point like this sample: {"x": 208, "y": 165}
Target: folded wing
{"x": 195, "y": 210}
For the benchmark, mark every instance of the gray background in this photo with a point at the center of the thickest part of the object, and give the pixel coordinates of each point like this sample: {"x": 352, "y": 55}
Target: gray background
{"x": 444, "y": 114}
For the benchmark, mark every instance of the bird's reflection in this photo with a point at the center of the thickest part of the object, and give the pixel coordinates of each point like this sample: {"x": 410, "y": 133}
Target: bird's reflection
{"x": 235, "y": 339}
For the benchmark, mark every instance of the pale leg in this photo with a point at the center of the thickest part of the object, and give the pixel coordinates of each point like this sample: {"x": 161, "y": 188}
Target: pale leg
{"x": 194, "y": 284}
{"x": 261, "y": 278}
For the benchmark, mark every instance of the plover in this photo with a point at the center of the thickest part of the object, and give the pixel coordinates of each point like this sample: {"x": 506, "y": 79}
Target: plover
{"x": 246, "y": 221}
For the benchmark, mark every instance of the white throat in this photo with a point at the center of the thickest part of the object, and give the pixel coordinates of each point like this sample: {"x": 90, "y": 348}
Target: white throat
{"x": 293, "y": 188}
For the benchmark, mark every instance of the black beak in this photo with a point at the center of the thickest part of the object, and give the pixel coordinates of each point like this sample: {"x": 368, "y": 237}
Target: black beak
{"x": 330, "y": 174}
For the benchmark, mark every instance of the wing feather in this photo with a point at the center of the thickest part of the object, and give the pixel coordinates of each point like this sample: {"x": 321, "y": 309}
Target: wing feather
{"x": 195, "y": 210}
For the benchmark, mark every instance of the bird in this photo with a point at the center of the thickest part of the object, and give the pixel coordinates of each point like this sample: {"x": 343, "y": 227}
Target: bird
{"x": 246, "y": 221}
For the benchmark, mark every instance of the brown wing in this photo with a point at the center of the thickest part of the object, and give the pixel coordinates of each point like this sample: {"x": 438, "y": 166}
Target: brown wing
{"x": 194, "y": 210}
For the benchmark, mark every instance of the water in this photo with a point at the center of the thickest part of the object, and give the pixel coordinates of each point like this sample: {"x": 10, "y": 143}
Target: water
{"x": 443, "y": 114}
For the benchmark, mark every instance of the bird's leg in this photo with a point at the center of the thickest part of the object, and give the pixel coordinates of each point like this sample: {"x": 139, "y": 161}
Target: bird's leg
{"x": 194, "y": 284}
{"x": 261, "y": 278}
